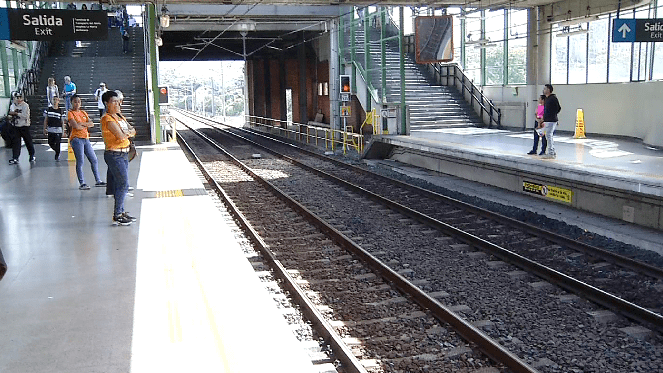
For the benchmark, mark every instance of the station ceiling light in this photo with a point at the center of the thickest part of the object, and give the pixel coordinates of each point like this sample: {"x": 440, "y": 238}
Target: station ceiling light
{"x": 165, "y": 18}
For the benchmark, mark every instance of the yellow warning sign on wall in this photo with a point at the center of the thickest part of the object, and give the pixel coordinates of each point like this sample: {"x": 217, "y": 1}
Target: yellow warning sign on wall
{"x": 549, "y": 191}
{"x": 580, "y": 125}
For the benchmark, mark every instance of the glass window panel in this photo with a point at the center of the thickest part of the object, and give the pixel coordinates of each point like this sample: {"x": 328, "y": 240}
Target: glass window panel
{"x": 408, "y": 21}
{"x": 577, "y": 59}
{"x": 495, "y": 52}
{"x": 598, "y": 51}
{"x": 456, "y": 32}
{"x": 517, "y": 34}
{"x": 657, "y": 68}
{"x": 639, "y": 61}
{"x": 558, "y": 59}
{"x": 620, "y": 59}
{"x": 472, "y": 53}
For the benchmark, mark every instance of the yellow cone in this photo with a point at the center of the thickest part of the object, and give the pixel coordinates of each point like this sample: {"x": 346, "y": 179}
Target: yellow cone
{"x": 580, "y": 125}
{"x": 70, "y": 152}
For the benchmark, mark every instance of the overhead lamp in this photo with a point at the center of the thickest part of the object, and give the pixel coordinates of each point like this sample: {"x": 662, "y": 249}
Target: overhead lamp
{"x": 568, "y": 32}
{"x": 246, "y": 25}
{"x": 165, "y": 18}
{"x": 577, "y": 21}
{"x": 485, "y": 45}
{"x": 480, "y": 41}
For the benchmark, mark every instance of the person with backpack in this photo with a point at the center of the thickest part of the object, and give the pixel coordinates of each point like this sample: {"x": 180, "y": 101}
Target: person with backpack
{"x": 20, "y": 114}
{"x": 125, "y": 41}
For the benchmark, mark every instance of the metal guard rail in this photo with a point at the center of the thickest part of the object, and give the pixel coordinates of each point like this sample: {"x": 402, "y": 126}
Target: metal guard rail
{"x": 467, "y": 84}
{"x": 305, "y": 133}
{"x": 29, "y": 81}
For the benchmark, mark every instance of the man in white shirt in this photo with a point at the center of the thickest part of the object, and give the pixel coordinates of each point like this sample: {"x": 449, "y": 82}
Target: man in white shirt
{"x": 97, "y": 94}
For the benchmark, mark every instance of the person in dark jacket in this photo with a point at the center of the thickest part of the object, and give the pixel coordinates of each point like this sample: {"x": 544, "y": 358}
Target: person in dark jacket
{"x": 551, "y": 108}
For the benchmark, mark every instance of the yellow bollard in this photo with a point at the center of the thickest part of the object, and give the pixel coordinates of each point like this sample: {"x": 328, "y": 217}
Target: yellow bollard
{"x": 580, "y": 125}
{"x": 70, "y": 152}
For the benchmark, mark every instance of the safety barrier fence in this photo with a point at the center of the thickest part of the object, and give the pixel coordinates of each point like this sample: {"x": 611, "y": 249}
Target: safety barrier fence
{"x": 310, "y": 134}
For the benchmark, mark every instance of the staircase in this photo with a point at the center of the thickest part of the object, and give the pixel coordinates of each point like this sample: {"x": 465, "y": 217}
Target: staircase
{"x": 88, "y": 65}
{"x": 431, "y": 106}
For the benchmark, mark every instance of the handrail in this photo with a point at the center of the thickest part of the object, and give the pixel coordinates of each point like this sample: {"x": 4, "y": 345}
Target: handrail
{"x": 371, "y": 89}
{"x": 476, "y": 94}
{"x": 305, "y": 133}
{"x": 29, "y": 80}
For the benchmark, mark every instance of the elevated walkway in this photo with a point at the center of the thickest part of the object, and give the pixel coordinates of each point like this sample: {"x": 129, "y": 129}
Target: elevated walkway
{"x": 173, "y": 292}
{"x": 617, "y": 178}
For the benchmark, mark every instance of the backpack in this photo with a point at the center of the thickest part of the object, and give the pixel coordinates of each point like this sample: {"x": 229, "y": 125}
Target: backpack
{"x": 5, "y": 131}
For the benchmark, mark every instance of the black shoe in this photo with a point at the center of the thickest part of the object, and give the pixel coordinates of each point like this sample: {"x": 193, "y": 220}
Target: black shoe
{"x": 13, "y": 161}
{"x": 121, "y": 220}
{"x": 126, "y": 215}
{"x": 57, "y": 157}
{"x": 33, "y": 159}
{"x": 84, "y": 187}
{"x": 531, "y": 152}
{"x": 100, "y": 184}
{"x": 542, "y": 152}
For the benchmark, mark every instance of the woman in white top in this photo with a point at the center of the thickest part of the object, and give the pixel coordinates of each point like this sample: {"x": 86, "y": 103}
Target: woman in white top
{"x": 51, "y": 91}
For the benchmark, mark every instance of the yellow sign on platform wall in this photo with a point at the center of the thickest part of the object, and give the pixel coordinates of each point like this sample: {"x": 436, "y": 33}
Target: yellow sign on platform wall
{"x": 345, "y": 111}
{"x": 580, "y": 125}
{"x": 549, "y": 191}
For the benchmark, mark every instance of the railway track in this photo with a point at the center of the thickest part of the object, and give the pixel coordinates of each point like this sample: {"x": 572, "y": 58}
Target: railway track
{"x": 415, "y": 250}
{"x": 385, "y": 331}
{"x": 633, "y": 281}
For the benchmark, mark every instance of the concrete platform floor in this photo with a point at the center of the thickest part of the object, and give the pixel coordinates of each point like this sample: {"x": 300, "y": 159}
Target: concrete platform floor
{"x": 172, "y": 292}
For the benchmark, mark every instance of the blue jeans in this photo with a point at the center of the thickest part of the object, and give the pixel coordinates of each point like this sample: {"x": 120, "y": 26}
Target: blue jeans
{"x": 67, "y": 103}
{"x": 81, "y": 146}
{"x": 549, "y": 131}
{"x": 118, "y": 174}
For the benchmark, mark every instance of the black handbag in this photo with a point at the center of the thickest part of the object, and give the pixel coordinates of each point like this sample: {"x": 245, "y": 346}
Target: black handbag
{"x": 3, "y": 266}
{"x": 132, "y": 150}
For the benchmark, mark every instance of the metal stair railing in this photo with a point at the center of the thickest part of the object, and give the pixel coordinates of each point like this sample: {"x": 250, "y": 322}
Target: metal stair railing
{"x": 453, "y": 71}
{"x": 476, "y": 94}
{"x": 29, "y": 80}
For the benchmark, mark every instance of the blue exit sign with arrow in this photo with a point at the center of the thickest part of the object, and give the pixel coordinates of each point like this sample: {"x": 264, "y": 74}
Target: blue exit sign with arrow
{"x": 637, "y": 30}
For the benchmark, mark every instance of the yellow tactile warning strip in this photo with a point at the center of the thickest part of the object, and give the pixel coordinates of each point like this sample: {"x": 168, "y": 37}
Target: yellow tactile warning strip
{"x": 169, "y": 193}
{"x": 174, "y": 193}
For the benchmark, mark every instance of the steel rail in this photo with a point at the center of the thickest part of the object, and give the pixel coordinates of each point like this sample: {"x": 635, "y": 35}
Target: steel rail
{"x": 340, "y": 349}
{"x": 611, "y": 257}
{"x": 465, "y": 329}
{"x": 469, "y": 332}
{"x": 617, "y": 304}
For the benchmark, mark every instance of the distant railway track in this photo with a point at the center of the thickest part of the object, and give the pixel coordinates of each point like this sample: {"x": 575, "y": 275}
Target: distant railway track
{"x": 311, "y": 255}
{"x": 404, "y": 210}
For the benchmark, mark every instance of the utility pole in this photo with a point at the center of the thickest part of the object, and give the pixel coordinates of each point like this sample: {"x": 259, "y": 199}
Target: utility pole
{"x": 212, "y": 79}
{"x": 223, "y": 95}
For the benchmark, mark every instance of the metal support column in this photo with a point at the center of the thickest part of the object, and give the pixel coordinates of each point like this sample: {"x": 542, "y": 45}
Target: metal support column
{"x": 5, "y": 67}
{"x": 401, "y": 54}
{"x": 383, "y": 51}
{"x": 334, "y": 73}
{"x": 367, "y": 59}
{"x": 154, "y": 73}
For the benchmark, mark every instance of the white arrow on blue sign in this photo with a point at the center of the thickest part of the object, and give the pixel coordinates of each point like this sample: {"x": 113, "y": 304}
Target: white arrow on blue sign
{"x": 623, "y": 30}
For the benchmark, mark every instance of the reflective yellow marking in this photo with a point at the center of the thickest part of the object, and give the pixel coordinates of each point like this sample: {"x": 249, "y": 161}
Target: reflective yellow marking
{"x": 169, "y": 193}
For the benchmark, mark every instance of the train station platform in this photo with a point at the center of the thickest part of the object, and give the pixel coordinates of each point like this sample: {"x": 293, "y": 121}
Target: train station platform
{"x": 173, "y": 292}
{"x": 617, "y": 178}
